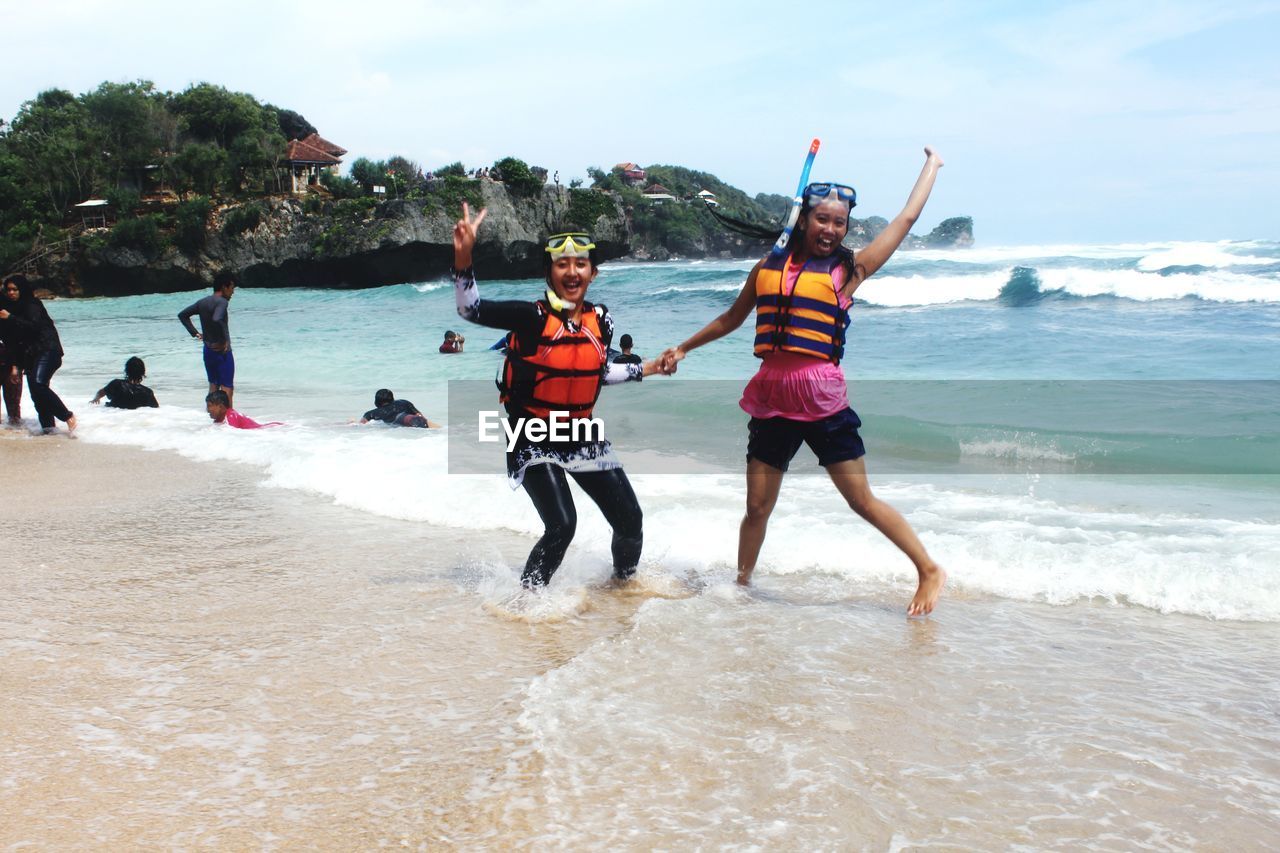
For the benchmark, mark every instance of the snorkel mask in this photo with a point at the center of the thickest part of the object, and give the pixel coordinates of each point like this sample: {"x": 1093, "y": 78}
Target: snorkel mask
{"x": 571, "y": 244}
{"x": 816, "y": 193}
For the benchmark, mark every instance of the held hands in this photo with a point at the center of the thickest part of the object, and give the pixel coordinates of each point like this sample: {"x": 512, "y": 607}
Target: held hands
{"x": 464, "y": 236}
{"x": 665, "y": 363}
{"x": 669, "y": 359}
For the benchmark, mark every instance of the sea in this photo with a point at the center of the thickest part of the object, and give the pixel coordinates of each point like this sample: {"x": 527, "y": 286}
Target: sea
{"x": 1087, "y": 438}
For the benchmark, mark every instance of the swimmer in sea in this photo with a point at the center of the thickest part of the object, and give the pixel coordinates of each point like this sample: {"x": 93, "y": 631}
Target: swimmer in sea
{"x": 396, "y": 412}
{"x": 218, "y": 405}
{"x": 128, "y": 393}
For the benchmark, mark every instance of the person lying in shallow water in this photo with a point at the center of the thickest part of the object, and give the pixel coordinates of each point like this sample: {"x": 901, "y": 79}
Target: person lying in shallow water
{"x": 219, "y": 408}
{"x": 396, "y": 412}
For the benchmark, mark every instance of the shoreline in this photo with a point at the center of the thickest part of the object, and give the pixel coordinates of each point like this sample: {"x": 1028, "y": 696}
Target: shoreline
{"x": 193, "y": 658}
{"x": 137, "y": 623}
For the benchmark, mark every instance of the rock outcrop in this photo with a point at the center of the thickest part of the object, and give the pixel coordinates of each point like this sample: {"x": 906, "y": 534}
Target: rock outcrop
{"x": 341, "y": 244}
{"x": 354, "y": 243}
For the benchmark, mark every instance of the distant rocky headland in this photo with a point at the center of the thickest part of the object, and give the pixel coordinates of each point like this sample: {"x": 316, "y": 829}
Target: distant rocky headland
{"x": 299, "y": 242}
{"x": 128, "y": 190}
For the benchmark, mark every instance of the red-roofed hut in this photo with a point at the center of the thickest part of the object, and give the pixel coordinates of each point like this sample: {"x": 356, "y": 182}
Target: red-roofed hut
{"x": 308, "y": 157}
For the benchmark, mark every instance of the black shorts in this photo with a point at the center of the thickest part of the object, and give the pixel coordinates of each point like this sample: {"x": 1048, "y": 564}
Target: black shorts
{"x": 774, "y": 441}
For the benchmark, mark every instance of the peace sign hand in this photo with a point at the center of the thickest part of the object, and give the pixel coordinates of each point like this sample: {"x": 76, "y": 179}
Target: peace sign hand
{"x": 464, "y": 236}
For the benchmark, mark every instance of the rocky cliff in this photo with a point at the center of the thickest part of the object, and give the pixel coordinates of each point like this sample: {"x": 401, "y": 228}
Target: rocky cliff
{"x": 339, "y": 244}
{"x": 355, "y": 243}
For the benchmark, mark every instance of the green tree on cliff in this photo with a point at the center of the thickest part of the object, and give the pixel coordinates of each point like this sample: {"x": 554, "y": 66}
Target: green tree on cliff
{"x": 59, "y": 150}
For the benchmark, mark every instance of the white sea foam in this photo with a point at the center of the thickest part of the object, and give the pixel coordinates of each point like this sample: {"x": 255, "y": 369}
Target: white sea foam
{"x": 1198, "y": 254}
{"x": 1009, "y": 545}
{"x": 889, "y": 290}
{"x": 1222, "y": 249}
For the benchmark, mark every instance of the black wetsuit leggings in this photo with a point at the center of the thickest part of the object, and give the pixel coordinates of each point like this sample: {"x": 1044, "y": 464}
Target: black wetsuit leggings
{"x": 48, "y": 404}
{"x": 548, "y": 488}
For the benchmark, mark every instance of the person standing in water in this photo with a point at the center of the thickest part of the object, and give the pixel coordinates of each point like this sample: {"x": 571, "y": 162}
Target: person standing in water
{"x": 802, "y": 299}
{"x": 555, "y": 367}
{"x": 11, "y": 359}
{"x": 215, "y": 331}
{"x": 41, "y": 349}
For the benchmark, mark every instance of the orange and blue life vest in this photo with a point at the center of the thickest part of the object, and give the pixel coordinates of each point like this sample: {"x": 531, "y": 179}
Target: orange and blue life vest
{"x": 809, "y": 319}
{"x": 563, "y": 374}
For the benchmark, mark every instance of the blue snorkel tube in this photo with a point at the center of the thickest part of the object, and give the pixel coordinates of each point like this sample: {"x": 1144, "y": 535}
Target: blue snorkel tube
{"x": 794, "y": 216}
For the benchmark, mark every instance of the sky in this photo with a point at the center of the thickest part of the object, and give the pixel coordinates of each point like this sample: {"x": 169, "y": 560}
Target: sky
{"x": 1101, "y": 121}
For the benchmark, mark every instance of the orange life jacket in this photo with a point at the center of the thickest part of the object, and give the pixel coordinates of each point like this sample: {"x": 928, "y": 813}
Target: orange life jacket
{"x": 563, "y": 374}
{"x": 809, "y": 319}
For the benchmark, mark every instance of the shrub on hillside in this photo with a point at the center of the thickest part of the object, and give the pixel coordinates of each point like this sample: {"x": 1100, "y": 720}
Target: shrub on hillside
{"x": 190, "y": 224}
{"x": 238, "y": 220}
{"x": 141, "y": 233}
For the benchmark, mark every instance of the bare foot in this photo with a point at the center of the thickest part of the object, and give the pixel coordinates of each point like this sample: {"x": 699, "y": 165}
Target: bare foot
{"x": 931, "y": 581}
{"x": 744, "y": 577}
{"x": 71, "y": 424}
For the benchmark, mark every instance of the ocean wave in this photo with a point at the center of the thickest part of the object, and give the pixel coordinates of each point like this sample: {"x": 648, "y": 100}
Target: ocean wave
{"x": 888, "y": 290}
{"x": 1021, "y": 285}
{"x": 1199, "y": 255}
{"x": 1011, "y": 545}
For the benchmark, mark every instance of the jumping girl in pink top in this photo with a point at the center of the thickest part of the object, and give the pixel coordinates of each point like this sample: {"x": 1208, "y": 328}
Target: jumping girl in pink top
{"x": 798, "y": 396}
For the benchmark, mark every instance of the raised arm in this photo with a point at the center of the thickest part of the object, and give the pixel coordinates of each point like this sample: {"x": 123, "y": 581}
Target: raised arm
{"x": 727, "y": 322}
{"x": 505, "y": 314}
{"x": 874, "y": 256}
{"x": 464, "y": 236}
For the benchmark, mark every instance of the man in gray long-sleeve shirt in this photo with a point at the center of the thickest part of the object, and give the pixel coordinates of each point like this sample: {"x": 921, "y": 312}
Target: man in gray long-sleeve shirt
{"x": 215, "y": 331}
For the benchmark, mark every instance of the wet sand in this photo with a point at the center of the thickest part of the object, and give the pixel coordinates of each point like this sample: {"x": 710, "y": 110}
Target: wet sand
{"x": 178, "y": 671}
{"x": 193, "y": 660}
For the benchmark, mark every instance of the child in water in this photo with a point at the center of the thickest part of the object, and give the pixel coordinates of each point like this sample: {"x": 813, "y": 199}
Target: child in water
{"x": 219, "y": 408}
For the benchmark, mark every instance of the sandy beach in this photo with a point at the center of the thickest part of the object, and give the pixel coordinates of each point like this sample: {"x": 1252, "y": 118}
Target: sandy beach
{"x": 192, "y": 660}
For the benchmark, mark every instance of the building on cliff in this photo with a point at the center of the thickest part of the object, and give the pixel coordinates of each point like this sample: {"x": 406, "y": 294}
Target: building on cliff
{"x": 631, "y": 173}
{"x": 657, "y": 193}
{"x": 306, "y": 158}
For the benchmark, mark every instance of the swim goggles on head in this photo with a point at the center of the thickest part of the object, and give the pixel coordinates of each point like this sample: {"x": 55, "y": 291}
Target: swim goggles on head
{"x": 572, "y": 244}
{"x": 823, "y": 191}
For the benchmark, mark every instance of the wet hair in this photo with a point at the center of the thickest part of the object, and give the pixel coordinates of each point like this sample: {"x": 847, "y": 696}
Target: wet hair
{"x": 218, "y": 398}
{"x": 25, "y": 293}
{"x": 223, "y": 278}
{"x": 450, "y": 335}
{"x": 382, "y": 397}
{"x": 134, "y": 369}
{"x": 625, "y": 342}
{"x": 763, "y": 232}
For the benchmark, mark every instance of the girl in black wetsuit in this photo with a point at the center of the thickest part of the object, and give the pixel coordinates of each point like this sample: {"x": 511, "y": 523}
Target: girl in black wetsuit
{"x": 40, "y": 346}
{"x": 556, "y": 365}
